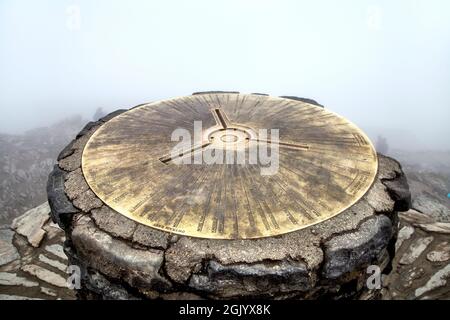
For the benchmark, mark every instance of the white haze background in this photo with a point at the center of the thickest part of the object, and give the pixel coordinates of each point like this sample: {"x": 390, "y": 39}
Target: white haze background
{"x": 385, "y": 65}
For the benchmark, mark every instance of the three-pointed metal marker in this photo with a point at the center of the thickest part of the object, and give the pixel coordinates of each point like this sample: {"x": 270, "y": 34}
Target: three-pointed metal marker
{"x": 227, "y": 133}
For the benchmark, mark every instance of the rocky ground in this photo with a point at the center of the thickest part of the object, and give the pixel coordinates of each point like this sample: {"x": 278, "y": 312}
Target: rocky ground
{"x": 32, "y": 262}
{"x": 421, "y": 268}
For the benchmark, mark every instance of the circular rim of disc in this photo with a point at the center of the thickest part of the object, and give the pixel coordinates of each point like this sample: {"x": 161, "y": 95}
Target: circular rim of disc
{"x": 90, "y": 178}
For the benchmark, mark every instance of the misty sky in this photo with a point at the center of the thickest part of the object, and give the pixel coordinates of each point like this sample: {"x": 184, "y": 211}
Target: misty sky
{"x": 385, "y": 65}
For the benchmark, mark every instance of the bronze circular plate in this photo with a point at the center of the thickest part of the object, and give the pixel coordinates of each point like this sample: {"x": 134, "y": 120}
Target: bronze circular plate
{"x": 153, "y": 165}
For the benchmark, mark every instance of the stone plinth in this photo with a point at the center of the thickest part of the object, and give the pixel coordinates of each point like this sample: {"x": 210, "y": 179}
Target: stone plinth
{"x": 121, "y": 259}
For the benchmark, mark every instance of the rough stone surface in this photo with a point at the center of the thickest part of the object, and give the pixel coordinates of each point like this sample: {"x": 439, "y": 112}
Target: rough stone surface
{"x": 54, "y": 263}
{"x": 108, "y": 220}
{"x": 399, "y": 191}
{"x": 415, "y": 217}
{"x": 441, "y": 227}
{"x": 62, "y": 209}
{"x": 151, "y": 237}
{"x": 439, "y": 279}
{"x": 404, "y": 234}
{"x": 424, "y": 202}
{"x": 247, "y": 280}
{"x": 30, "y": 224}
{"x": 116, "y": 259}
{"x": 12, "y": 279}
{"x": 57, "y": 250}
{"x": 34, "y": 271}
{"x": 99, "y": 287}
{"x": 45, "y": 275}
{"x": 48, "y": 292}
{"x": 112, "y": 115}
{"x": 87, "y": 201}
{"x": 351, "y": 251}
{"x": 440, "y": 253}
{"x": 8, "y": 251}
{"x": 425, "y": 274}
{"x": 415, "y": 250}
{"x": 75, "y": 184}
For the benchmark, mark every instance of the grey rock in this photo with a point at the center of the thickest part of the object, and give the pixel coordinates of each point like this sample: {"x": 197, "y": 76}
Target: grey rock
{"x": 115, "y": 258}
{"x": 399, "y": 191}
{"x": 72, "y": 162}
{"x": 350, "y": 251}
{"x": 62, "y": 209}
{"x": 49, "y": 292}
{"x": 264, "y": 279}
{"x": 404, "y": 234}
{"x": 439, "y": 279}
{"x": 87, "y": 128}
{"x": 52, "y": 230}
{"x": 67, "y": 151}
{"x": 415, "y": 217}
{"x": 435, "y": 207}
{"x": 45, "y": 275}
{"x": 53, "y": 263}
{"x": 75, "y": 184}
{"x": 113, "y": 222}
{"x": 415, "y": 250}
{"x": 12, "y": 279}
{"x": 112, "y": 115}
{"x": 439, "y": 227}
{"x": 102, "y": 287}
{"x": 151, "y": 237}
{"x": 87, "y": 201}
{"x": 379, "y": 198}
{"x": 57, "y": 250}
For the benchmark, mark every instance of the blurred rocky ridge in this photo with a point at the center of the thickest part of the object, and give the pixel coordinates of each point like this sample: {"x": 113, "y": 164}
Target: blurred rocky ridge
{"x": 25, "y": 162}
{"x": 428, "y": 174}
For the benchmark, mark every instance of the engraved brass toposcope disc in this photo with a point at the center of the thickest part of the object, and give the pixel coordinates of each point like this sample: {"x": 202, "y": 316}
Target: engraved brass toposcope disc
{"x": 154, "y": 165}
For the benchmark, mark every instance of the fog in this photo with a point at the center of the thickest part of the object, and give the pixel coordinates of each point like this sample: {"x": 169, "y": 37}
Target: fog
{"x": 385, "y": 65}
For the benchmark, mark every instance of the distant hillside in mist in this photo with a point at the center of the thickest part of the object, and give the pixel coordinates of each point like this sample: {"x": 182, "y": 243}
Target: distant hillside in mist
{"x": 25, "y": 162}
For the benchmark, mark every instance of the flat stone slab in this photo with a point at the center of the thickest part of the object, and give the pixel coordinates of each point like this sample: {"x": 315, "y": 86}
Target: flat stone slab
{"x": 45, "y": 275}
{"x": 35, "y": 273}
{"x": 8, "y": 251}
{"x": 57, "y": 250}
{"x": 30, "y": 224}
{"x": 440, "y": 253}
